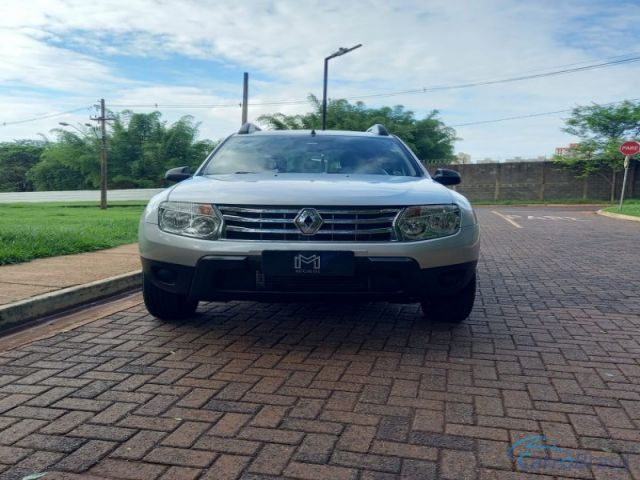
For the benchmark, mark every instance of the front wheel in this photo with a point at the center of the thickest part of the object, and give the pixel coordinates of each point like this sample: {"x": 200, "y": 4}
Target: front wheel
{"x": 451, "y": 308}
{"x": 166, "y": 305}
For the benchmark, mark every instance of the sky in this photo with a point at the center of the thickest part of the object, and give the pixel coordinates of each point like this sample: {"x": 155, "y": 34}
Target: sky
{"x": 63, "y": 55}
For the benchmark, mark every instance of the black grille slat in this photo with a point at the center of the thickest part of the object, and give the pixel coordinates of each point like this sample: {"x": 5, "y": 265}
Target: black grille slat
{"x": 276, "y": 223}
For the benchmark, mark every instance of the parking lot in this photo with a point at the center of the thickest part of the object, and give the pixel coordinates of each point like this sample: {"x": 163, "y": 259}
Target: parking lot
{"x": 320, "y": 391}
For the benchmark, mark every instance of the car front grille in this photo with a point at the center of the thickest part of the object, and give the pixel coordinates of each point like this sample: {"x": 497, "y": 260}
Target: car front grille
{"x": 340, "y": 224}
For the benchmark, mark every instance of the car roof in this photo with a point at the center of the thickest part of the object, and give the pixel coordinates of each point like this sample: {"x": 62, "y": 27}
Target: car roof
{"x": 320, "y": 133}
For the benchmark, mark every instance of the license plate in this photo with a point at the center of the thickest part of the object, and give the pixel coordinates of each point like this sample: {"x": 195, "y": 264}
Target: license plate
{"x": 307, "y": 263}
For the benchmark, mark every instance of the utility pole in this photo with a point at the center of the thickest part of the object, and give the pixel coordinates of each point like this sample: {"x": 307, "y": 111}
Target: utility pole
{"x": 245, "y": 98}
{"x": 103, "y": 154}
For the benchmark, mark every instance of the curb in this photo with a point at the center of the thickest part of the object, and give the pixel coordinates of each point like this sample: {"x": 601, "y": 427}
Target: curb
{"x": 55, "y": 302}
{"x": 619, "y": 216}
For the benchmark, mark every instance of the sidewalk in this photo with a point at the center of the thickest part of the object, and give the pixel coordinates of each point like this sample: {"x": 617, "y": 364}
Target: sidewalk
{"x": 36, "y": 289}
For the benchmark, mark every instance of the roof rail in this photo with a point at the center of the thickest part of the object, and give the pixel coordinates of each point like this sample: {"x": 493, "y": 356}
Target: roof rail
{"x": 248, "y": 128}
{"x": 378, "y": 130}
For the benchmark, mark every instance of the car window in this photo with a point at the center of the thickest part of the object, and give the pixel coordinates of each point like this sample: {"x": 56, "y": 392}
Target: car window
{"x": 311, "y": 154}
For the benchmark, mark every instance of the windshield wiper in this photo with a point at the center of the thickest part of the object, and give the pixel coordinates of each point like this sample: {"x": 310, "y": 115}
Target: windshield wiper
{"x": 241, "y": 173}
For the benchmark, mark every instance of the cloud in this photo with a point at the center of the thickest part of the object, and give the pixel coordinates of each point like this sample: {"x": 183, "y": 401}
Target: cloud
{"x": 76, "y": 48}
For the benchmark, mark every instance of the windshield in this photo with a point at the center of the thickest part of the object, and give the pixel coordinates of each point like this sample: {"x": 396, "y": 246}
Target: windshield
{"x": 311, "y": 154}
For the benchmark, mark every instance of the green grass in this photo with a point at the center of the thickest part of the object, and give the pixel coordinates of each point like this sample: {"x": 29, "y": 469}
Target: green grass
{"x": 630, "y": 207}
{"x": 36, "y": 230}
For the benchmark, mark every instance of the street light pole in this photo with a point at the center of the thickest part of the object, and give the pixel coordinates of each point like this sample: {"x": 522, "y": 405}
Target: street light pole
{"x": 341, "y": 51}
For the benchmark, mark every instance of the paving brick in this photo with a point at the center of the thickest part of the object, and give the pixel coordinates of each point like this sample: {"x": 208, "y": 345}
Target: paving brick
{"x": 57, "y": 443}
{"x": 613, "y": 417}
{"x": 230, "y": 424}
{"x": 11, "y": 455}
{"x": 186, "y": 434}
{"x": 20, "y": 430}
{"x": 196, "y": 398}
{"x": 316, "y": 448}
{"x": 488, "y": 406}
{"x": 493, "y": 454}
{"x": 404, "y": 450}
{"x": 81, "y": 404}
{"x": 458, "y": 465}
{"x": 428, "y": 420}
{"x": 488, "y": 433}
{"x": 349, "y": 417}
{"x": 103, "y": 432}
{"x": 149, "y": 423}
{"x": 126, "y": 470}
{"x": 35, "y": 413}
{"x": 113, "y": 413}
{"x": 307, "y": 408}
{"x": 85, "y": 457}
{"x": 311, "y": 426}
{"x": 418, "y": 470}
{"x": 138, "y": 445}
{"x": 227, "y": 445}
{"x": 50, "y": 396}
{"x": 66, "y": 423}
{"x": 180, "y": 457}
{"x": 226, "y": 467}
{"x": 559, "y": 434}
{"x": 443, "y": 440}
{"x": 394, "y": 428}
{"x": 181, "y": 473}
{"x": 308, "y": 471}
{"x": 272, "y": 459}
{"x": 271, "y": 435}
{"x": 36, "y": 462}
{"x": 357, "y": 438}
{"x": 269, "y": 416}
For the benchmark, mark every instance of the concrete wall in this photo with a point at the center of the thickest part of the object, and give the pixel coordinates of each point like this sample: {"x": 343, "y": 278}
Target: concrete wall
{"x": 539, "y": 181}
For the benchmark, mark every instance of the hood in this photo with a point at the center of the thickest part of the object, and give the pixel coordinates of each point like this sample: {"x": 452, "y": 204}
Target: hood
{"x": 311, "y": 189}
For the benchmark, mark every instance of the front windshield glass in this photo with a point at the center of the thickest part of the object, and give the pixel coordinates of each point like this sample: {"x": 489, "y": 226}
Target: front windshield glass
{"x": 311, "y": 154}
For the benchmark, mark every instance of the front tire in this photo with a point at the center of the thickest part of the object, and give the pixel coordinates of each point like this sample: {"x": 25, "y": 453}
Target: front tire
{"x": 451, "y": 308}
{"x": 166, "y": 305}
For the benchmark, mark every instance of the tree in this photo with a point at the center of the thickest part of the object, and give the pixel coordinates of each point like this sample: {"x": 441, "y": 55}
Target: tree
{"x": 16, "y": 158}
{"x": 143, "y": 148}
{"x": 601, "y": 128}
{"x": 70, "y": 163}
{"x": 429, "y": 137}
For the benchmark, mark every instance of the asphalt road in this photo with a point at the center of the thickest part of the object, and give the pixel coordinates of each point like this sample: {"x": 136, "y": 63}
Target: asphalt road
{"x": 259, "y": 391}
{"x": 78, "y": 195}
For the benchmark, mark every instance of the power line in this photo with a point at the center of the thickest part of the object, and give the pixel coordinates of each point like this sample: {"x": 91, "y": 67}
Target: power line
{"x": 504, "y": 80}
{"x": 518, "y": 78}
{"x": 43, "y": 117}
{"x": 531, "y": 115}
{"x": 374, "y": 95}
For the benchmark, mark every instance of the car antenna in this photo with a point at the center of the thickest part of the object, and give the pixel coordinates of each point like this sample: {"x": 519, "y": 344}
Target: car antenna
{"x": 313, "y": 132}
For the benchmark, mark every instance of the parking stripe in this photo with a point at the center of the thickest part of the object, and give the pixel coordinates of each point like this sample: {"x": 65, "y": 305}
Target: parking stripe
{"x": 517, "y": 225}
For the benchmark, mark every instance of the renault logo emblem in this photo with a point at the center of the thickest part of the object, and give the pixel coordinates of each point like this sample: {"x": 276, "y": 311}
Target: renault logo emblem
{"x": 308, "y": 221}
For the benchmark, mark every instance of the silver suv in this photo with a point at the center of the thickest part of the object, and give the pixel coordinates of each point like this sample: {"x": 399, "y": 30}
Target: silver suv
{"x": 293, "y": 215}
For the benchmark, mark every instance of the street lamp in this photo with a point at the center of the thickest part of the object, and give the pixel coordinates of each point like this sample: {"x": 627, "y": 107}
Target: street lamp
{"x": 341, "y": 51}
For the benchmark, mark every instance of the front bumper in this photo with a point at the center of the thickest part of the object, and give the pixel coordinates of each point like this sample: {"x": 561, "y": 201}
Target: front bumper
{"x": 238, "y": 277}
{"x": 462, "y": 247}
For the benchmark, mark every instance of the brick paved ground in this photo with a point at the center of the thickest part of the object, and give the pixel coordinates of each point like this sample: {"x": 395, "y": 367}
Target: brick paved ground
{"x": 366, "y": 392}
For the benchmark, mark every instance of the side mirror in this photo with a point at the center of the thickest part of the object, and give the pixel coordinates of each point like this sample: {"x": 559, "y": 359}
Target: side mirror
{"x": 445, "y": 176}
{"x": 178, "y": 174}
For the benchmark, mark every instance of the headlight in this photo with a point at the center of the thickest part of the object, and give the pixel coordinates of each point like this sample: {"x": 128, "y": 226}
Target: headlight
{"x": 198, "y": 220}
{"x": 426, "y": 222}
